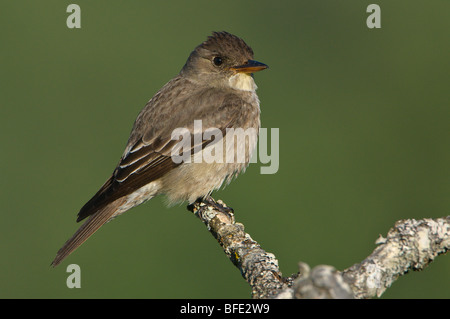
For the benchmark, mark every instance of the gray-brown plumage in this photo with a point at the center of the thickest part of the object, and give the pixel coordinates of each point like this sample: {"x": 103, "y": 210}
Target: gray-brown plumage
{"x": 215, "y": 86}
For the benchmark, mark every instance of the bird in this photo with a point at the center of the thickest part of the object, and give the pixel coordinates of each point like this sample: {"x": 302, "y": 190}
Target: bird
{"x": 215, "y": 86}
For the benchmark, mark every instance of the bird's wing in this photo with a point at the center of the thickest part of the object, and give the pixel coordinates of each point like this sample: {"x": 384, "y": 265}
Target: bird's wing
{"x": 150, "y": 156}
{"x": 141, "y": 165}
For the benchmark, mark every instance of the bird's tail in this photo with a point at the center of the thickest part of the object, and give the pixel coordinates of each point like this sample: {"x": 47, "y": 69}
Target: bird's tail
{"x": 91, "y": 225}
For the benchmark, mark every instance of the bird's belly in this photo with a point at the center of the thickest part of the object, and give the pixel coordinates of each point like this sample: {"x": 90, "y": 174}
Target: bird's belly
{"x": 194, "y": 180}
{"x": 207, "y": 171}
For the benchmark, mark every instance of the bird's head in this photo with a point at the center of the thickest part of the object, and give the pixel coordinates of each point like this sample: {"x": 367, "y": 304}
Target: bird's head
{"x": 223, "y": 60}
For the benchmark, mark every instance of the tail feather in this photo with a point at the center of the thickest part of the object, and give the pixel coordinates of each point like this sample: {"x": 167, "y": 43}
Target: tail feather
{"x": 86, "y": 230}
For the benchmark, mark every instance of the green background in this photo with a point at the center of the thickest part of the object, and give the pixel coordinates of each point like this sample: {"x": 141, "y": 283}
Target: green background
{"x": 363, "y": 116}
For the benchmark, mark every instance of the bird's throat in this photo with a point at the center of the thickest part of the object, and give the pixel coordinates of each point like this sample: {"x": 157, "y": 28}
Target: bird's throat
{"x": 243, "y": 82}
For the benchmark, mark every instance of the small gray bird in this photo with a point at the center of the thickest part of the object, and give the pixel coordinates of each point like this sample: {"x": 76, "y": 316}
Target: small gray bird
{"x": 215, "y": 86}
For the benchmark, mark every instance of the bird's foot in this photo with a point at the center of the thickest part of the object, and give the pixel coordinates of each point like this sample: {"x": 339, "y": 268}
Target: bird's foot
{"x": 209, "y": 201}
{"x": 219, "y": 205}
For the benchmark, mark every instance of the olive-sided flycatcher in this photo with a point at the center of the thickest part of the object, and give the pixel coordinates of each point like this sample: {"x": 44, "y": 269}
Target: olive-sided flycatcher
{"x": 215, "y": 86}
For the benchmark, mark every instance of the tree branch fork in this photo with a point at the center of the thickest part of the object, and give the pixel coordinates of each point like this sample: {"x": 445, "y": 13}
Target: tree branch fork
{"x": 409, "y": 245}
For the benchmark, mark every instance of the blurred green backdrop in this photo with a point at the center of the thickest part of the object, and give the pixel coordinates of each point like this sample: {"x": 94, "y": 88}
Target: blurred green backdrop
{"x": 364, "y": 140}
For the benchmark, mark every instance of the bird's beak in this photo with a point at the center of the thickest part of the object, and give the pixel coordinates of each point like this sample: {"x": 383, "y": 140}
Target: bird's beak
{"x": 250, "y": 67}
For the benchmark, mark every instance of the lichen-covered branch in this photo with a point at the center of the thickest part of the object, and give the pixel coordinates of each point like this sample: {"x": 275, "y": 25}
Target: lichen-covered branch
{"x": 258, "y": 267}
{"x": 409, "y": 245}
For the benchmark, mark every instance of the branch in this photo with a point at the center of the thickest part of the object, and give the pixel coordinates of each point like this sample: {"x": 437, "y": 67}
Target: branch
{"x": 410, "y": 244}
{"x": 258, "y": 267}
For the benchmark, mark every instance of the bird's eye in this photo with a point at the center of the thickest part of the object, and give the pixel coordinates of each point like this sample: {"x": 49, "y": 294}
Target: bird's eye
{"x": 218, "y": 60}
